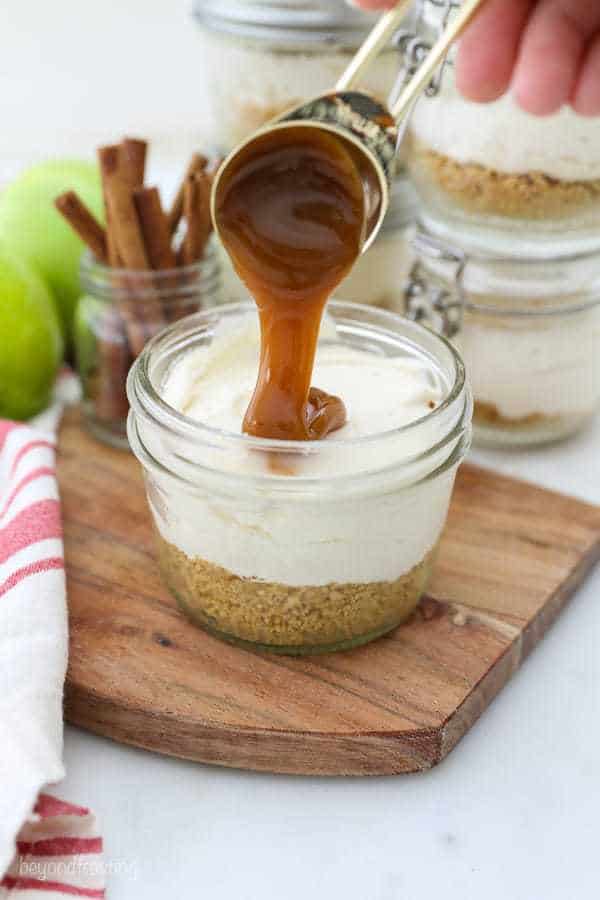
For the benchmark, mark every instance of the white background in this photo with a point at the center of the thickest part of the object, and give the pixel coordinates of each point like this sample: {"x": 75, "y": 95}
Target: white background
{"x": 512, "y": 813}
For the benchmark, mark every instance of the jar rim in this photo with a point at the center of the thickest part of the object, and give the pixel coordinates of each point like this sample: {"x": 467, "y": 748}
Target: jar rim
{"x": 458, "y": 440}
{"x": 112, "y": 282}
{"x": 143, "y": 394}
{"x": 318, "y": 24}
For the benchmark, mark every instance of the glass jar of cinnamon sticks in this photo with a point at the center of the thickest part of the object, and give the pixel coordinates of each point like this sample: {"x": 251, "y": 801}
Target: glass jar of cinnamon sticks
{"x": 145, "y": 268}
{"x": 119, "y": 312}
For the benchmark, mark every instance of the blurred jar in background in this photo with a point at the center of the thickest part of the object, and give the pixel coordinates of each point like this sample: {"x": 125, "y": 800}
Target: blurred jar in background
{"x": 528, "y": 330}
{"x": 378, "y": 278}
{"x": 260, "y": 58}
{"x": 510, "y": 181}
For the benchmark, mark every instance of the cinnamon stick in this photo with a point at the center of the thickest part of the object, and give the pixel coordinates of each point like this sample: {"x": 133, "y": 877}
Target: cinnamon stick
{"x": 108, "y": 161}
{"x": 196, "y": 209}
{"x": 81, "y": 220}
{"x": 124, "y": 219}
{"x": 197, "y": 163}
{"x": 108, "y": 389}
{"x": 132, "y": 161}
{"x": 140, "y": 307}
{"x": 155, "y": 228}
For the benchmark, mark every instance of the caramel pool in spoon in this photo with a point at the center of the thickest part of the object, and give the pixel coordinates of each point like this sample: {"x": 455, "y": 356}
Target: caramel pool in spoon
{"x": 291, "y": 212}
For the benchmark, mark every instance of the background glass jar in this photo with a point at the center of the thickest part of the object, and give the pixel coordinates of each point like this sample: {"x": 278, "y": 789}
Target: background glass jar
{"x": 331, "y": 549}
{"x": 261, "y": 58}
{"x": 118, "y": 313}
{"x": 513, "y": 182}
{"x": 378, "y": 277}
{"x": 528, "y": 331}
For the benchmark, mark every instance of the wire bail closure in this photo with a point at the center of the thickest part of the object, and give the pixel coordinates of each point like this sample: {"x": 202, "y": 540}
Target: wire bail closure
{"x": 413, "y": 48}
{"x": 437, "y": 307}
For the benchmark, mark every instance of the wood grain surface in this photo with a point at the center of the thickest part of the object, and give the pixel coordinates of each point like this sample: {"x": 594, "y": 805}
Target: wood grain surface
{"x": 511, "y": 557}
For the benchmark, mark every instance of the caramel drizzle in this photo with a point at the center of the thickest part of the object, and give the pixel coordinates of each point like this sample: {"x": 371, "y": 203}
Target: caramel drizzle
{"x": 291, "y": 214}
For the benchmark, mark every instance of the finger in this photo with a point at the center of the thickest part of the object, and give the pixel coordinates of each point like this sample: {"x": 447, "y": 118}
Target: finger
{"x": 586, "y": 98}
{"x": 372, "y": 4}
{"x": 549, "y": 57}
{"x": 488, "y": 50}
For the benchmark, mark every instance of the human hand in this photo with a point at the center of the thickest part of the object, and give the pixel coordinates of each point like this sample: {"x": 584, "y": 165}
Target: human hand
{"x": 546, "y": 51}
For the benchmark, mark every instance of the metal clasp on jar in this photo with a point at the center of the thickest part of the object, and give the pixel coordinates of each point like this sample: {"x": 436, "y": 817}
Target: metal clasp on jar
{"x": 441, "y": 308}
{"x": 413, "y": 47}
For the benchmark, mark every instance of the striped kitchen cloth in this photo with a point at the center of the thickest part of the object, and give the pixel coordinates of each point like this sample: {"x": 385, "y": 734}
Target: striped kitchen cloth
{"x": 46, "y": 845}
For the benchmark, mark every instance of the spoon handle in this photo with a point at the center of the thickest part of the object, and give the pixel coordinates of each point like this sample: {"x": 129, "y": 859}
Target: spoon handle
{"x": 374, "y": 43}
{"x": 424, "y": 73}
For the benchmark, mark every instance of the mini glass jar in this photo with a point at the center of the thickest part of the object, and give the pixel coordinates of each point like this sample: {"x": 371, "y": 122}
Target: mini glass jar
{"x": 527, "y": 329}
{"x": 512, "y": 182}
{"x": 299, "y": 547}
{"x": 261, "y": 58}
{"x": 116, "y": 316}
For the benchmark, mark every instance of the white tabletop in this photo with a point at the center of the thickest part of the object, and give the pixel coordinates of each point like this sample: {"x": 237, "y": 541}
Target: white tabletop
{"x": 511, "y": 814}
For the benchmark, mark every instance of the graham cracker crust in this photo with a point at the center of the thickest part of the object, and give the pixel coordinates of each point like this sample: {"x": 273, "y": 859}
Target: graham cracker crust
{"x": 288, "y": 619}
{"x": 488, "y": 414}
{"x": 478, "y": 189}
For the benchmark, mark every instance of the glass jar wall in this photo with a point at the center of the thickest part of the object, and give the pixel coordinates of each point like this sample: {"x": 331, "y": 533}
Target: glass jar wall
{"x": 528, "y": 331}
{"x": 298, "y": 547}
{"x": 511, "y": 181}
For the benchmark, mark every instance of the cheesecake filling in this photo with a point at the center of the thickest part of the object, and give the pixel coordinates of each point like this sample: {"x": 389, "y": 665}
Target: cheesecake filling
{"x": 532, "y": 371}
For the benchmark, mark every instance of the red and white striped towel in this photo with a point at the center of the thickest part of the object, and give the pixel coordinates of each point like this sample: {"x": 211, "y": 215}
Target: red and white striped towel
{"x": 45, "y": 844}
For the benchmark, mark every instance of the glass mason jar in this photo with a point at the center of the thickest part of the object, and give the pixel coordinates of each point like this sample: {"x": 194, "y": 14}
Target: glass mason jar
{"x": 119, "y": 312}
{"x": 261, "y": 57}
{"x": 527, "y": 329}
{"x": 512, "y": 182}
{"x": 298, "y": 547}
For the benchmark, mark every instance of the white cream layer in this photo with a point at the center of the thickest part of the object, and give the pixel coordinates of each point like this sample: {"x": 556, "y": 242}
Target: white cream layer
{"x": 549, "y": 367}
{"x": 503, "y": 137}
{"x": 370, "y": 530}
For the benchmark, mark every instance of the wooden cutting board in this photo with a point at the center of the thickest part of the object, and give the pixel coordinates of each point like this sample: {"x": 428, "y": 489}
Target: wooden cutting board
{"x": 511, "y": 557}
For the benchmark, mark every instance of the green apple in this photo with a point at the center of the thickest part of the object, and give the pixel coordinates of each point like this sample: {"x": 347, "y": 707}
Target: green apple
{"x": 32, "y": 228}
{"x": 31, "y": 344}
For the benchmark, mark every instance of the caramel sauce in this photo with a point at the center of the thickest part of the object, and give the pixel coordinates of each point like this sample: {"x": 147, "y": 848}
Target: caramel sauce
{"x": 291, "y": 213}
